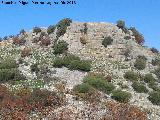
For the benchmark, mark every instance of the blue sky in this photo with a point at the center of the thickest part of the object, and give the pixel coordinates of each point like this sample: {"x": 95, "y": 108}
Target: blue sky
{"x": 142, "y": 14}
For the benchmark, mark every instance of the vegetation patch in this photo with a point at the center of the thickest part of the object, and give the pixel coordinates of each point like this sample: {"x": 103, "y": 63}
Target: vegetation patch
{"x": 8, "y": 64}
{"x": 99, "y": 83}
{"x": 107, "y": 41}
{"x": 51, "y": 29}
{"x": 72, "y": 62}
{"x": 82, "y": 65}
{"x": 154, "y": 97}
{"x": 121, "y": 96}
{"x": 60, "y": 47}
{"x": 62, "y": 26}
{"x": 148, "y": 78}
{"x": 154, "y": 86}
{"x": 140, "y": 88}
{"x": 140, "y": 63}
{"x": 138, "y": 36}
{"x": 130, "y": 75}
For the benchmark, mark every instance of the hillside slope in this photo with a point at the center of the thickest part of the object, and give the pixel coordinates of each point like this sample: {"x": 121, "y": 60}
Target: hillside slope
{"x": 43, "y": 68}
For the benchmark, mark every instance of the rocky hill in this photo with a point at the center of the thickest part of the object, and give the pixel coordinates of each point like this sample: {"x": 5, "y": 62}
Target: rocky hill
{"x": 76, "y": 70}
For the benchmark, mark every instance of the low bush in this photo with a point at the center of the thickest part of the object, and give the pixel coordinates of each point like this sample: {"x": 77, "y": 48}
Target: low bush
{"x": 36, "y": 30}
{"x": 121, "y": 24}
{"x": 138, "y": 36}
{"x": 64, "y": 61}
{"x": 80, "y": 65}
{"x": 82, "y": 88}
{"x": 68, "y": 58}
{"x": 127, "y": 52}
{"x": 84, "y": 31}
{"x": 140, "y": 88}
{"x": 51, "y": 29}
{"x": 10, "y": 74}
{"x": 127, "y": 37}
{"x": 18, "y": 41}
{"x": 154, "y": 86}
{"x": 140, "y": 63}
{"x": 58, "y": 62}
{"x": 121, "y": 96}
{"x": 60, "y": 47}
{"x": 154, "y": 97}
{"x": 8, "y": 64}
{"x": 154, "y": 50}
{"x": 83, "y": 40}
{"x": 45, "y": 41}
{"x": 99, "y": 83}
{"x": 86, "y": 92}
{"x": 141, "y": 57}
{"x": 22, "y": 32}
{"x": 130, "y": 75}
{"x": 26, "y": 101}
{"x": 107, "y": 41}
{"x": 149, "y": 78}
{"x": 62, "y": 26}
{"x": 6, "y": 74}
{"x": 25, "y": 52}
{"x": 124, "y": 111}
{"x": 157, "y": 72}
{"x": 34, "y": 68}
{"x": 156, "y": 62}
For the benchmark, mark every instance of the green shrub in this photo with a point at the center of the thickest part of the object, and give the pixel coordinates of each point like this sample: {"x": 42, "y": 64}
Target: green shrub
{"x": 80, "y": 65}
{"x": 6, "y": 74}
{"x": 154, "y": 50}
{"x": 34, "y": 68}
{"x": 121, "y": 24}
{"x": 62, "y": 26}
{"x": 140, "y": 88}
{"x": 107, "y": 41}
{"x": 130, "y": 75}
{"x": 22, "y": 32}
{"x": 51, "y": 29}
{"x": 155, "y": 61}
{"x": 60, "y": 47}
{"x": 84, "y": 31}
{"x": 58, "y": 62}
{"x": 99, "y": 83}
{"x": 154, "y": 86}
{"x": 82, "y": 88}
{"x": 138, "y": 36}
{"x": 157, "y": 72}
{"x": 141, "y": 57}
{"x": 127, "y": 37}
{"x": 8, "y": 64}
{"x": 72, "y": 62}
{"x": 149, "y": 78}
{"x": 68, "y": 58}
{"x": 36, "y": 30}
{"x": 140, "y": 64}
{"x": 86, "y": 92}
{"x": 10, "y": 74}
{"x": 64, "y": 61}
{"x": 154, "y": 97}
{"x": 121, "y": 96}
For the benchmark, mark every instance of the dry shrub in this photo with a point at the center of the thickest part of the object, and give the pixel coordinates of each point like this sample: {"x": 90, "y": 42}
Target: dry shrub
{"x": 45, "y": 40}
{"x": 19, "y": 105}
{"x": 83, "y": 39}
{"x": 18, "y": 41}
{"x": 122, "y": 111}
{"x": 25, "y": 52}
